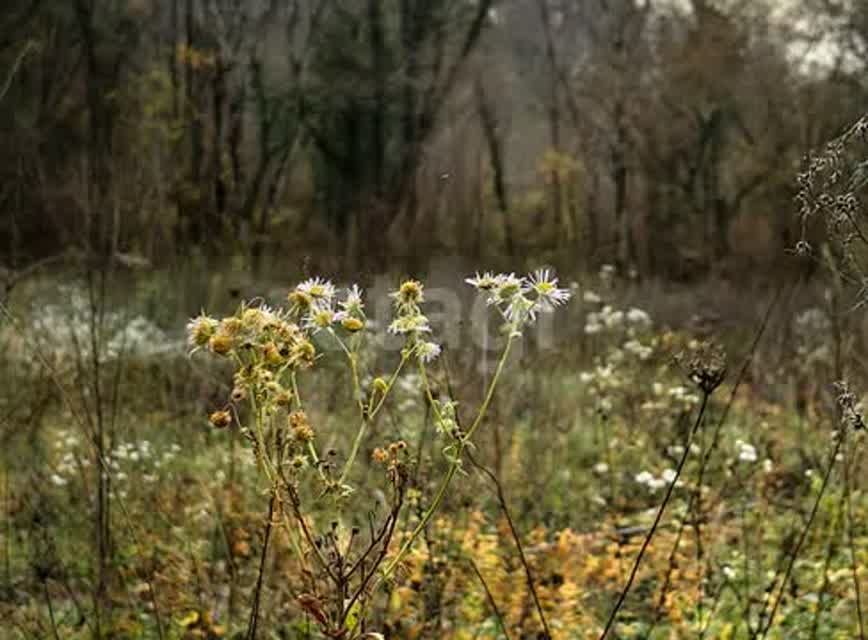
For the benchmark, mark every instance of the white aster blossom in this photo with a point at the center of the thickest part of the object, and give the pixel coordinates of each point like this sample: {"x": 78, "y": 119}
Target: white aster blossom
{"x": 638, "y": 317}
{"x": 319, "y": 290}
{"x": 408, "y": 324}
{"x": 548, "y": 295}
{"x": 352, "y": 304}
{"x": 319, "y": 318}
{"x": 485, "y": 282}
{"x": 520, "y": 299}
{"x": 58, "y": 481}
{"x": 746, "y": 452}
{"x": 644, "y": 477}
{"x": 638, "y": 349}
{"x": 428, "y": 351}
{"x": 591, "y": 297}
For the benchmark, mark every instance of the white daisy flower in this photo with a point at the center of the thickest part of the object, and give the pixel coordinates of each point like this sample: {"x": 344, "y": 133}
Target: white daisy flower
{"x": 410, "y": 324}
{"x": 485, "y": 282}
{"x": 644, "y": 477}
{"x": 319, "y": 318}
{"x": 353, "y": 304}
{"x": 508, "y": 286}
{"x": 638, "y": 317}
{"x": 591, "y": 298}
{"x": 549, "y": 295}
{"x": 319, "y": 289}
{"x": 428, "y": 351}
{"x": 58, "y": 481}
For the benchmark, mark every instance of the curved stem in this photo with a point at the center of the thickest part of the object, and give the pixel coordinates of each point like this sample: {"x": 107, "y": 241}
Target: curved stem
{"x": 762, "y": 631}
{"x": 623, "y": 595}
{"x": 453, "y": 468}
{"x": 363, "y": 427}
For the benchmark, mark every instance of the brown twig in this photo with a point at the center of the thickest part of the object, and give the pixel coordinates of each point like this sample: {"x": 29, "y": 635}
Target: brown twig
{"x": 501, "y": 498}
{"x": 762, "y": 631}
{"x": 254, "y": 612}
{"x": 669, "y": 491}
{"x": 490, "y": 597}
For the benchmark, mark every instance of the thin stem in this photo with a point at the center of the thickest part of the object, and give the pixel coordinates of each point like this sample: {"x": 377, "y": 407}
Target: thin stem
{"x": 831, "y": 551}
{"x": 623, "y": 595}
{"x": 453, "y": 468}
{"x": 50, "y": 609}
{"x": 850, "y": 541}
{"x": 254, "y": 613}
{"x": 761, "y": 631}
{"x": 354, "y": 370}
{"x": 490, "y": 597}
{"x": 363, "y": 427}
{"x": 501, "y": 498}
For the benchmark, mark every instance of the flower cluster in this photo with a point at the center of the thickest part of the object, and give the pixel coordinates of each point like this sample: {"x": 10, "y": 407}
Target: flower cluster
{"x": 625, "y": 338}
{"x": 608, "y": 319}
{"x": 832, "y": 188}
{"x": 677, "y": 399}
{"x": 521, "y": 299}
{"x": 62, "y": 332}
{"x": 314, "y": 304}
{"x": 654, "y": 483}
{"x": 411, "y": 323}
{"x": 141, "y": 460}
{"x": 269, "y": 348}
{"x": 746, "y": 451}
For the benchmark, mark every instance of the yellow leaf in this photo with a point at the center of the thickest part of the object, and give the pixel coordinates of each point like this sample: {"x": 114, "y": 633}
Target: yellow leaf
{"x": 190, "y": 619}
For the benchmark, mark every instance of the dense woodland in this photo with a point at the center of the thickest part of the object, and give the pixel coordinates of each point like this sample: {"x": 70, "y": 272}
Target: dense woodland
{"x": 657, "y": 135}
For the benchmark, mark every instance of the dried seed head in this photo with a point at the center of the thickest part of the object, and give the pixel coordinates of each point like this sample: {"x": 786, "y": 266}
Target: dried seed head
{"x": 705, "y": 365}
{"x": 409, "y": 294}
{"x": 300, "y": 427}
{"x": 220, "y": 419}
{"x": 283, "y": 398}
{"x": 200, "y": 330}
{"x": 272, "y": 354}
{"x": 303, "y": 354}
{"x": 851, "y": 411}
{"x": 300, "y": 302}
{"x": 221, "y": 343}
{"x": 231, "y": 326}
{"x": 352, "y": 324}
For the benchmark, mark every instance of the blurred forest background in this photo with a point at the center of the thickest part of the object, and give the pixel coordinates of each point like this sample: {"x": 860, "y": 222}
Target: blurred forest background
{"x": 660, "y": 136}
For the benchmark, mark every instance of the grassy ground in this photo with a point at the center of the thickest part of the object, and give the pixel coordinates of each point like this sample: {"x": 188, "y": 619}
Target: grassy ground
{"x": 763, "y": 533}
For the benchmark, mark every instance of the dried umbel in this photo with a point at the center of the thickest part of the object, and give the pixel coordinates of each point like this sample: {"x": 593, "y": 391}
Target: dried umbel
{"x": 831, "y": 188}
{"x": 851, "y": 409}
{"x": 705, "y": 365}
{"x": 220, "y": 419}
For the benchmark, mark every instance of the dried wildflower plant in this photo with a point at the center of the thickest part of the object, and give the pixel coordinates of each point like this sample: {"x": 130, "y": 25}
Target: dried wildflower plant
{"x": 832, "y": 188}
{"x": 271, "y": 350}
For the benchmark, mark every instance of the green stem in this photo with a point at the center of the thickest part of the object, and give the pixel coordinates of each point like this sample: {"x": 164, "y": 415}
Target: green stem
{"x": 453, "y": 468}
{"x": 363, "y": 427}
